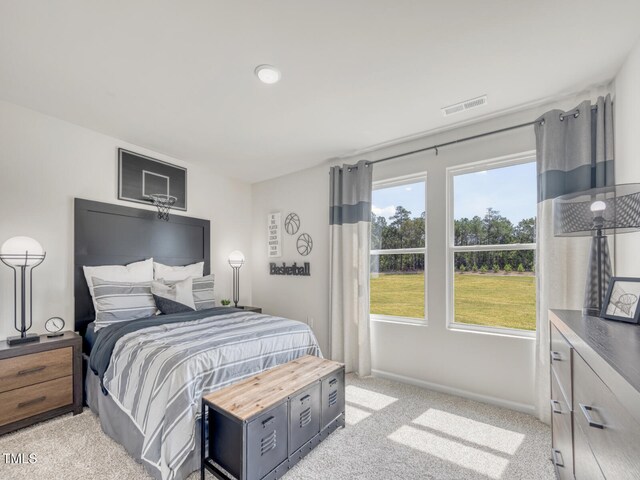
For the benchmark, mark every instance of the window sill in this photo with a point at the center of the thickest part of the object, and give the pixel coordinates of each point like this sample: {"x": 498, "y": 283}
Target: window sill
{"x": 416, "y": 322}
{"x": 485, "y": 330}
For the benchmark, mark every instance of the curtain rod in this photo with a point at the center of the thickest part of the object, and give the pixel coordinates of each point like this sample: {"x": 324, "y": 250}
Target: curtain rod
{"x": 575, "y": 113}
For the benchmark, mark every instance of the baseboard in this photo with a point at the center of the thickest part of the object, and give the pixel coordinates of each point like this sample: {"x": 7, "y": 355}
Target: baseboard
{"x": 519, "y": 407}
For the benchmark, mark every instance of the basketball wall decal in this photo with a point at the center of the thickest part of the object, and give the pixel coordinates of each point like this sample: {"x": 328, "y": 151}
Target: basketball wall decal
{"x": 304, "y": 244}
{"x": 292, "y": 223}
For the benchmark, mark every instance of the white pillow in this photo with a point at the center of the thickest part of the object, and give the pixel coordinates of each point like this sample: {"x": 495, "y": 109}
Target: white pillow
{"x": 180, "y": 292}
{"x": 134, "y": 272}
{"x": 173, "y": 274}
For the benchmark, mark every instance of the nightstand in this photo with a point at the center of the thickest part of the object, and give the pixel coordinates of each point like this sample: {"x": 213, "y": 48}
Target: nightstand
{"x": 40, "y": 380}
{"x": 250, "y": 309}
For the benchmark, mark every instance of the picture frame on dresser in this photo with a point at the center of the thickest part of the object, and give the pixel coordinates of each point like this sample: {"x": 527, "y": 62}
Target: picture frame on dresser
{"x": 621, "y": 303}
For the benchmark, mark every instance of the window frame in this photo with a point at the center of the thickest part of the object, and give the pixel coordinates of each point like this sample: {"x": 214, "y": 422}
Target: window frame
{"x": 397, "y": 182}
{"x": 452, "y": 172}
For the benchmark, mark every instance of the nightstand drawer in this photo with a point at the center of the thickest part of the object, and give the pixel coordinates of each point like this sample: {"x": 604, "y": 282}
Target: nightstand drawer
{"x": 34, "y": 368}
{"x": 28, "y": 401}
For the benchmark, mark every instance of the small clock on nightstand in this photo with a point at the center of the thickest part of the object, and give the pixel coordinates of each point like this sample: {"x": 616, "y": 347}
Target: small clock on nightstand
{"x": 54, "y": 326}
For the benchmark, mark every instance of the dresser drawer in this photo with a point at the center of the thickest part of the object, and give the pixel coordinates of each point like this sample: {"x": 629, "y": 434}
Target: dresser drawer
{"x": 586, "y": 465}
{"x": 561, "y": 354}
{"x": 611, "y": 432}
{"x": 34, "y": 368}
{"x": 562, "y": 439}
{"x": 28, "y": 401}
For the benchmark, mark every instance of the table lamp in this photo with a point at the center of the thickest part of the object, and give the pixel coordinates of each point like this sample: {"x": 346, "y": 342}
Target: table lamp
{"x": 22, "y": 254}
{"x": 595, "y": 213}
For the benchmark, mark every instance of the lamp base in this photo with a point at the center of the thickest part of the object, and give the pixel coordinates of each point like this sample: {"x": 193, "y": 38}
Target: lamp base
{"x": 598, "y": 276}
{"x": 591, "y": 312}
{"x": 28, "y": 338}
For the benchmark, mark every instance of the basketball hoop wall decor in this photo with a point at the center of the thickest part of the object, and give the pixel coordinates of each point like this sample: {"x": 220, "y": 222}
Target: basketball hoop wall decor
{"x": 143, "y": 179}
{"x": 163, "y": 203}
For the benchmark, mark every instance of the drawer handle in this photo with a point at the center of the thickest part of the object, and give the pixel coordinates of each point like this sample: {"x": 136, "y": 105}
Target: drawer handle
{"x": 31, "y": 370}
{"x": 333, "y": 381}
{"x": 553, "y": 406}
{"x": 305, "y": 399}
{"x": 556, "y": 356}
{"x": 586, "y": 411}
{"x": 31, "y": 402}
{"x": 267, "y": 422}
{"x": 556, "y": 454}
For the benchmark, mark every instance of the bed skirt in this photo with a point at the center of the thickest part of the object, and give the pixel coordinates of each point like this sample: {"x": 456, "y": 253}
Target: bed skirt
{"x": 119, "y": 426}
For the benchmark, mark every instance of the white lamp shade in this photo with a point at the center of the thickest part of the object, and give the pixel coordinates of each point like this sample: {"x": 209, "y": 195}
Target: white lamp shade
{"x": 236, "y": 258}
{"x": 21, "y": 251}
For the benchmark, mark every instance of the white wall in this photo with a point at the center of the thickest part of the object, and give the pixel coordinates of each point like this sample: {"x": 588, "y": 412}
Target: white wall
{"x": 627, "y": 143}
{"x": 302, "y": 298}
{"x": 46, "y": 162}
{"x": 498, "y": 369}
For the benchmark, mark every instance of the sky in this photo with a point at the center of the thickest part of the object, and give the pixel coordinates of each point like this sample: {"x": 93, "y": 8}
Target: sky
{"x": 510, "y": 190}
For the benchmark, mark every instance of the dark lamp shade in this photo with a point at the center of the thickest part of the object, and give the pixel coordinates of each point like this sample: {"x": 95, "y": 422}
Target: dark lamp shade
{"x": 614, "y": 209}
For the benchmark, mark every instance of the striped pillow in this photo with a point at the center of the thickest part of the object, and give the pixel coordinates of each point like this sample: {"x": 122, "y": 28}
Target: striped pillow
{"x": 202, "y": 291}
{"x": 121, "y": 301}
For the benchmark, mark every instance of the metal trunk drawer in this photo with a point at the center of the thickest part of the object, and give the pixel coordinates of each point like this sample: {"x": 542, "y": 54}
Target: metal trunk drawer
{"x": 562, "y": 439}
{"x": 561, "y": 362}
{"x": 267, "y": 441}
{"x": 332, "y": 397}
{"x": 612, "y": 433}
{"x": 304, "y": 413}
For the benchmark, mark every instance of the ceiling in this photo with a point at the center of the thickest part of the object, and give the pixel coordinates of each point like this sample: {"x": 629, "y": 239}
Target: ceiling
{"x": 177, "y": 76}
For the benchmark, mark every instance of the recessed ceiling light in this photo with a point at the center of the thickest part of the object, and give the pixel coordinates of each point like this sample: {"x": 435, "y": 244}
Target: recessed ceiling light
{"x": 268, "y": 74}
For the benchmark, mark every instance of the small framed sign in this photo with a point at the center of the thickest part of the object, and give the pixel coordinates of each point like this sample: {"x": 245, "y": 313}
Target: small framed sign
{"x": 621, "y": 301}
{"x": 274, "y": 235}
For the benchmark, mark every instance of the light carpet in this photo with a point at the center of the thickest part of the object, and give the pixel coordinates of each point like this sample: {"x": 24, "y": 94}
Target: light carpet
{"x": 393, "y": 431}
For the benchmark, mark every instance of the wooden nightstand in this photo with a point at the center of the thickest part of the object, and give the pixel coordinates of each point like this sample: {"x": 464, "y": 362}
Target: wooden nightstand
{"x": 250, "y": 309}
{"x": 40, "y": 380}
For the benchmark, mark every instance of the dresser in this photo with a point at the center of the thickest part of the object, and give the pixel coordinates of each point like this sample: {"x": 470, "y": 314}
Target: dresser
{"x": 595, "y": 397}
{"x": 40, "y": 380}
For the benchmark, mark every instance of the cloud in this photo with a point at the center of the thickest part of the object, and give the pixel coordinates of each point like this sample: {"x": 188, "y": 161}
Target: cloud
{"x": 384, "y": 211}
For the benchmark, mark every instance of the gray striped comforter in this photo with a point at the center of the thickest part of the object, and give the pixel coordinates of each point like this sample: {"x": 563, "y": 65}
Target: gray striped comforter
{"x": 158, "y": 375}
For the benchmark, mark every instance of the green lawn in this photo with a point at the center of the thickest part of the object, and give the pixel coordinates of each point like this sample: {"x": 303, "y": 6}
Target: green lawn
{"x": 494, "y": 300}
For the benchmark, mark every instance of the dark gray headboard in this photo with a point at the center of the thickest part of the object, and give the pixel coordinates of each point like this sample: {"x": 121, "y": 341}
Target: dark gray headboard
{"x": 107, "y": 234}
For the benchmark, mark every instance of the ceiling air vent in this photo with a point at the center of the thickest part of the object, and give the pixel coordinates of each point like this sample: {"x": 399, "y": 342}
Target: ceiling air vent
{"x": 464, "y": 106}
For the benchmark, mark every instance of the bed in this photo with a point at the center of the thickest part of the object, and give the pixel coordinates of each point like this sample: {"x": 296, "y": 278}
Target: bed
{"x": 145, "y": 378}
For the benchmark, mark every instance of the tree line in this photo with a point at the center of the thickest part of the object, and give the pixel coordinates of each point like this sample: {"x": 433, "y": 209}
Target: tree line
{"x": 404, "y": 231}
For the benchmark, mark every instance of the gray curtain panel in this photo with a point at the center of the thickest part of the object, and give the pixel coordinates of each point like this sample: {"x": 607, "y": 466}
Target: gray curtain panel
{"x": 574, "y": 153}
{"x": 350, "y": 238}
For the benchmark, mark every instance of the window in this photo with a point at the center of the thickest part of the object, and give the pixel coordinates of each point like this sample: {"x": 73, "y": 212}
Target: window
{"x": 398, "y": 230}
{"x": 492, "y": 214}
